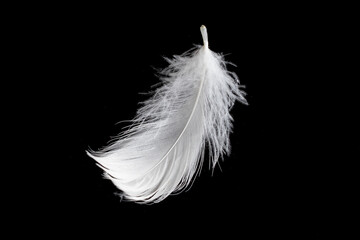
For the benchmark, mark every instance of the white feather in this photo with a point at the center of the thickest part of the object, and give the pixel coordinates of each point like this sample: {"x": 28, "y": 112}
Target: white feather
{"x": 164, "y": 148}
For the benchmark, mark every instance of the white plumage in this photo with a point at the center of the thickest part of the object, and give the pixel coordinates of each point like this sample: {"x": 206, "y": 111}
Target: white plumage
{"x": 163, "y": 149}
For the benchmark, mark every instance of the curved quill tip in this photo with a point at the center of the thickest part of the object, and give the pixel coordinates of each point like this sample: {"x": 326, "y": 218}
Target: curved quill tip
{"x": 204, "y": 36}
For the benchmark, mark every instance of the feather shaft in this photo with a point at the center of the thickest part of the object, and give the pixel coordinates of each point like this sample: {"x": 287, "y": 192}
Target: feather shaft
{"x": 186, "y": 125}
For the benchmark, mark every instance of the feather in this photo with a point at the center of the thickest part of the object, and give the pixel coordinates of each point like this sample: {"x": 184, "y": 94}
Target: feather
{"x": 163, "y": 150}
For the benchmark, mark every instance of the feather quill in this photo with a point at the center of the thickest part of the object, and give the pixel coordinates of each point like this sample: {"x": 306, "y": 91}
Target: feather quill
{"x": 163, "y": 150}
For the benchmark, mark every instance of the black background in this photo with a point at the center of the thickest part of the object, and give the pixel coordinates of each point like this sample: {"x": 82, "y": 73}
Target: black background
{"x": 88, "y": 64}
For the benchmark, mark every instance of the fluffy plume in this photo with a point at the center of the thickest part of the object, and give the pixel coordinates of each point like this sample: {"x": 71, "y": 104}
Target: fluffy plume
{"x": 163, "y": 149}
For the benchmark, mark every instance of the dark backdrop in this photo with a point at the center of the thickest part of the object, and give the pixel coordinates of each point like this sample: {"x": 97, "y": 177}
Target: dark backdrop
{"x": 89, "y": 63}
